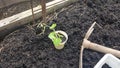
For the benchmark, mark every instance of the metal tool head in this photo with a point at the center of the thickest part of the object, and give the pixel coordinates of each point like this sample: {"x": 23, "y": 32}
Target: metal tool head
{"x": 90, "y": 30}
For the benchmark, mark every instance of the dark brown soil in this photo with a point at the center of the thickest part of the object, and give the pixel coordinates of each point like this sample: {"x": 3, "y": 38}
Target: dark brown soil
{"x": 18, "y": 7}
{"x": 25, "y": 49}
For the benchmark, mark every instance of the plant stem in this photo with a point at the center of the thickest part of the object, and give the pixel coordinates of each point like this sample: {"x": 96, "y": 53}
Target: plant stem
{"x": 43, "y": 4}
{"x": 31, "y": 4}
{"x": 55, "y": 33}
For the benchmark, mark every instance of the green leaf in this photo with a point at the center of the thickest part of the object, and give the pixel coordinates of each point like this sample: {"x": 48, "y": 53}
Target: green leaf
{"x": 53, "y": 26}
{"x": 57, "y": 41}
{"x": 52, "y": 35}
{"x": 60, "y": 35}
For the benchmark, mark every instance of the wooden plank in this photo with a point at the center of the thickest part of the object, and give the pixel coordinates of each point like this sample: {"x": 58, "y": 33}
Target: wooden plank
{"x": 9, "y": 24}
{"x": 5, "y": 3}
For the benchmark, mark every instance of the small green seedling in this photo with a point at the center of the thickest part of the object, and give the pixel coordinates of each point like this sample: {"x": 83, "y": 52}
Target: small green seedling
{"x": 55, "y": 37}
{"x": 43, "y": 27}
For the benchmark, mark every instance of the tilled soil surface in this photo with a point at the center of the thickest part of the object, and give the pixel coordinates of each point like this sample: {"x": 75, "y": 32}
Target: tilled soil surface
{"x": 25, "y": 49}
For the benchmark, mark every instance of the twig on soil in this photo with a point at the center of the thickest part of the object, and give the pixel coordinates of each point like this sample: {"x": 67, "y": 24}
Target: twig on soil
{"x": 98, "y": 25}
{"x": 1, "y": 49}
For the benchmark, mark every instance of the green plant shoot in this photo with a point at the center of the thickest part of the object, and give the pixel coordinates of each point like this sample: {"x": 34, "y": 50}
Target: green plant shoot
{"x": 55, "y": 37}
{"x": 53, "y": 26}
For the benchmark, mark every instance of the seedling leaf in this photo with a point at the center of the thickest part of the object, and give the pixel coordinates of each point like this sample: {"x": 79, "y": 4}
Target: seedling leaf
{"x": 55, "y": 38}
{"x": 53, "y": 26}
{"x": 57, "y": 41}
{"x": 52, "y": 35}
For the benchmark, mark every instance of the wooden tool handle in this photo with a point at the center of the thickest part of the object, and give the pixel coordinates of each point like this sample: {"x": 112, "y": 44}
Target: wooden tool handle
{"x": 100, "y": 48}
